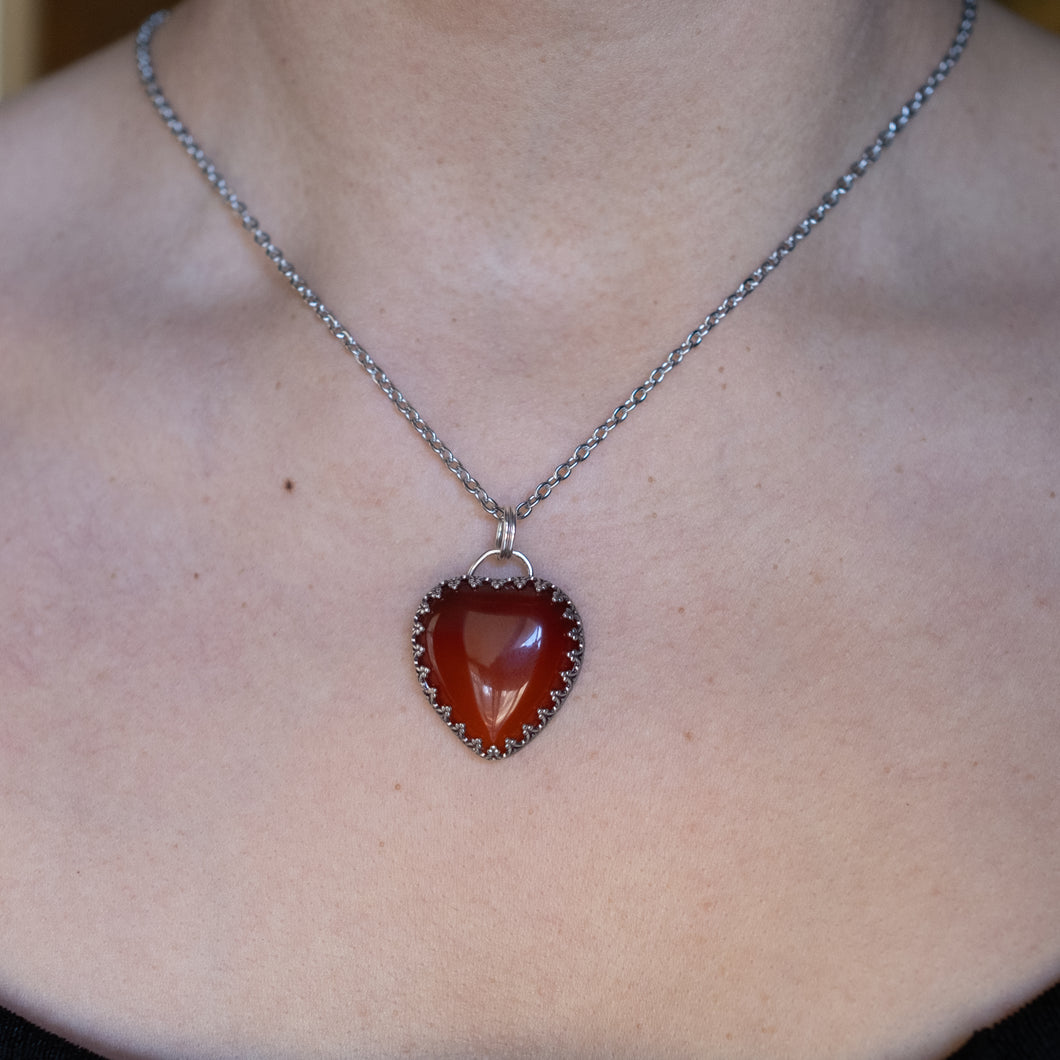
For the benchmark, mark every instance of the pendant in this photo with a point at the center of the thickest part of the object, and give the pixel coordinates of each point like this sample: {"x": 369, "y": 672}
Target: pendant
{"x": 496, "y": 658}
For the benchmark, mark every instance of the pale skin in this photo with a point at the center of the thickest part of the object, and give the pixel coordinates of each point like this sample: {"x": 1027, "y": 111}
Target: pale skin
{"x": 803, "y": 801}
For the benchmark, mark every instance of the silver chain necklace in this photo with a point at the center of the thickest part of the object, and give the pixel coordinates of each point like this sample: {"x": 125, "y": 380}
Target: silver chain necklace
{"x": 469, "y": 627}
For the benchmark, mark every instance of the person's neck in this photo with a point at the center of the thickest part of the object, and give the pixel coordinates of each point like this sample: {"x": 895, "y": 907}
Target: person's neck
{"x": 516, "y": 144}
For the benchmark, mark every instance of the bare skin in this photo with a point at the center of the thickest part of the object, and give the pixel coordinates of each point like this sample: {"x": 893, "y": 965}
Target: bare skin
{"x": 803, "y": 801}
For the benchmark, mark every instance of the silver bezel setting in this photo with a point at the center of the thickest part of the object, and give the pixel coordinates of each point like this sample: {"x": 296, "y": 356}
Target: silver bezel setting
{"x": 544, "y": 714}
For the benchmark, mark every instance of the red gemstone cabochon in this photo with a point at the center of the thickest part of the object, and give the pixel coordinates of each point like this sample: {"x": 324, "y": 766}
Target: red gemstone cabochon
{"x": 494, "y": 653}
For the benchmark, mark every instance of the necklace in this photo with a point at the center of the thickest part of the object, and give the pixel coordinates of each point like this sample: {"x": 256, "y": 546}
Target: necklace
{"x": 496, "y": 657}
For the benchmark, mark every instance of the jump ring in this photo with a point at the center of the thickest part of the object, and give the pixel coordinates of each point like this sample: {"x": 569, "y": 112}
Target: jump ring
{"x": 505, "y": 541}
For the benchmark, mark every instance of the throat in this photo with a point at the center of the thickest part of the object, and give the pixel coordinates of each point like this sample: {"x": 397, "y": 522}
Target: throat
{"x": 517, "y": 118}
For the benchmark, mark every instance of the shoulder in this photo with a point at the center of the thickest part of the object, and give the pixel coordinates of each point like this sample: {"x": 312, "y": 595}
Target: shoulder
{"x": 110, "y": 347}
{"x": 960, "y": 244}
{"x": 103, "y": 224}
{"x": 79, "y": 254}
{"x": 67, "y": 173}
{"x": 1002, "y": 180}
{"x": 110, "y": 286}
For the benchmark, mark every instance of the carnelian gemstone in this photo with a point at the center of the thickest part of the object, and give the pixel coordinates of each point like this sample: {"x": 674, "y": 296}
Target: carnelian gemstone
{"x": 495, "y": 654}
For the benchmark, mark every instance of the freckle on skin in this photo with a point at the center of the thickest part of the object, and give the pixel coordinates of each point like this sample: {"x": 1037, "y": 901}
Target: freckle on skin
{"x": 288, "y": 484}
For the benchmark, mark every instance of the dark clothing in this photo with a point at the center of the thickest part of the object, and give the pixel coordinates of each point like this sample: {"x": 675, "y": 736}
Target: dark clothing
{"x": 1032, "y": 1033}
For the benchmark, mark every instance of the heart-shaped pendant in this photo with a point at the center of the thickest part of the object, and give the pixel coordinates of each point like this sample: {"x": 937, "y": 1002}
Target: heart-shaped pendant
{"x": 497, "y": 658}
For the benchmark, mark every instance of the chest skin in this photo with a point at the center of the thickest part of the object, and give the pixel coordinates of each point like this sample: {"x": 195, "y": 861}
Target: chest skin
{"x": 809, "y": 748}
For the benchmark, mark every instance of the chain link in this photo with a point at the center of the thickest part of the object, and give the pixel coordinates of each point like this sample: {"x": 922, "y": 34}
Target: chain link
{"x": 640, "y": 393}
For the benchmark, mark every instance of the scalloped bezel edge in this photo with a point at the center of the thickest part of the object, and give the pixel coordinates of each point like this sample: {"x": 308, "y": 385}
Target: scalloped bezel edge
{"x": 544, "y": 714}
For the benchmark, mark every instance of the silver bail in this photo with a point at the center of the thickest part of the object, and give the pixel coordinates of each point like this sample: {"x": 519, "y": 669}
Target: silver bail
{"x": 505, "y": 542}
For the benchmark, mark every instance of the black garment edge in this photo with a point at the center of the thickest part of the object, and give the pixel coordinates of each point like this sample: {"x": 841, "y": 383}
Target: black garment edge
{"x": 1030, "y": 1033}
{"x": 22, "y": 1040}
